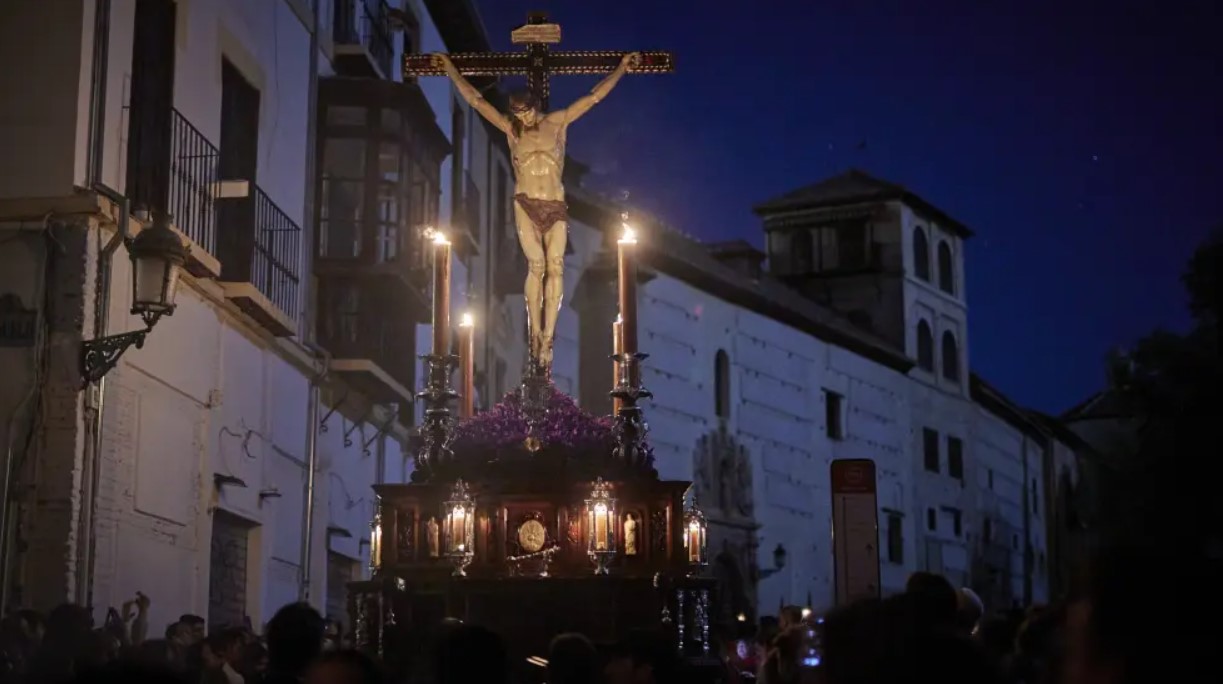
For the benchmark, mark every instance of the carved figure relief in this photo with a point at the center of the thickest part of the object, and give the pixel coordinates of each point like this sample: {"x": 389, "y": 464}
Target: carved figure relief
{"x": 532, "y": 536}
{"x": 630, "y": 535}
{"x": 723, "y": 475}
{"x": 405, "y": 531}
{"x": 658, "y": 531}
{"x": 574, "y": 533}
{"x": 432, "y": 533}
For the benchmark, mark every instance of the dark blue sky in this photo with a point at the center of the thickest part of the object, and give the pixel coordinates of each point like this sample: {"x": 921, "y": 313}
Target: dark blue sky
{"x": 1082, "y": 140}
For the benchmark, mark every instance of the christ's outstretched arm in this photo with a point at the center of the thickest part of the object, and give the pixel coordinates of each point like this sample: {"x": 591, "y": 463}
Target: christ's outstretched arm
{"x": 584, "y": 103}
{"x": 473, "y": 96}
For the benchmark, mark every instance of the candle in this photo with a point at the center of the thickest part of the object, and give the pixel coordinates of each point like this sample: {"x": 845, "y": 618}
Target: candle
{"x": 441, "y": 294}
{"x": 467, "y": 366}
{"x": 617, "y": 350}
{"x": 458, "y": 531}
{"x": 600, "y": 527}
{"x": 628, "y": 290}
{"x": 694, "y": 544}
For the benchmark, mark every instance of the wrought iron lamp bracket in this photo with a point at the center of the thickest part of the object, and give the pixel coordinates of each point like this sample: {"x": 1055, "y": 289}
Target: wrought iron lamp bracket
{"x": 99, "y": 356}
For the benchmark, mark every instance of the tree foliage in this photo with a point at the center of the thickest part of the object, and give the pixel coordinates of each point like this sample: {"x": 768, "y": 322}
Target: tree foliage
{"x": 1168, "y": 487}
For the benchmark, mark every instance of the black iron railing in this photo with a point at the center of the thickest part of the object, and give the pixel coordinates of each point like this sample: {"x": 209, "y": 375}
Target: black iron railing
{"x": 261, "y": 245}
{"x": 173, "y": 168}
{"x": 365, "y": 22}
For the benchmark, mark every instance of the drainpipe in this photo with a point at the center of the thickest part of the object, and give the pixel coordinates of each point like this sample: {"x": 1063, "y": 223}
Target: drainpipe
{"x": 312, "y": 421}
{"x": 312, "y": 405}
{"x": 92, "y": 464}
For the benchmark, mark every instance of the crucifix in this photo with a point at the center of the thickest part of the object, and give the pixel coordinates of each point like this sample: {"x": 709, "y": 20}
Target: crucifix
{"x": 538, "y": 62}
{"x": 536, "y": 139}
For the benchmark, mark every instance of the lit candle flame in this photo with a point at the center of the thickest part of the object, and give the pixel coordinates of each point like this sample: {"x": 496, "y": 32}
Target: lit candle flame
{"x": 629, "y": 236}
{"x": 439, "y": 238}
{"x": 466, "y": 321}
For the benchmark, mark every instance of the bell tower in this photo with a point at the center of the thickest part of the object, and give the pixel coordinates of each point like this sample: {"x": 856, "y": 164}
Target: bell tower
{"x": 883, "y": 257}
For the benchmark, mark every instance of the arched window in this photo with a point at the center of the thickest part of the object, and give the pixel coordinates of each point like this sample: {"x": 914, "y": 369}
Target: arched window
{"x": 800, "y": 251}
{"x": 921, "y": 254}
{"x": 946, "y": 270}
{"x": 925, "y": 346}
{"x": 721, "y": 384}
{"x": 951, "y": 357}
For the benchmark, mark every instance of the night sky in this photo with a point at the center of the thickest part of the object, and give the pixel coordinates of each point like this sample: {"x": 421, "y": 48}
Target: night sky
{"x": 1084, "y": 146}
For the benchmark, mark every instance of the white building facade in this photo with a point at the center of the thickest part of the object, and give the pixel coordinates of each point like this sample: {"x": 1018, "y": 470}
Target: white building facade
{"x": 304, "y": 172}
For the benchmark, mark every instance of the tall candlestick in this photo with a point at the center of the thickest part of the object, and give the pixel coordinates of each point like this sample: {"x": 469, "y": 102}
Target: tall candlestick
{"x": 441, "y": 294}
{"x": 467, "y": 367}
{"x": 617, "y": 350}
{"x": 628, "y": 290}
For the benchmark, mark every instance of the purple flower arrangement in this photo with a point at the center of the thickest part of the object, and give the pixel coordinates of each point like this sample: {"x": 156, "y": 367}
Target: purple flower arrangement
{"x": 563, "y": 426}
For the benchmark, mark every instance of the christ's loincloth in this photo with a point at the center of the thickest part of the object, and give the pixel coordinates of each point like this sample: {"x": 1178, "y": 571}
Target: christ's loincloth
{"x": 544, "y": 213}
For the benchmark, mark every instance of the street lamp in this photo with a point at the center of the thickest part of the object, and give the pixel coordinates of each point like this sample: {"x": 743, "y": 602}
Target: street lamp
{"x": 601, "y": 526}
{"x": 779, "y": 562}
{"x": 458, "y": 534}
{"x": 157, "y": 256}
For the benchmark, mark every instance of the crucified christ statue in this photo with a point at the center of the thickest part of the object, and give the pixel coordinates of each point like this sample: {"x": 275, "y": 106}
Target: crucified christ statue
{"x": 537, "y": 149}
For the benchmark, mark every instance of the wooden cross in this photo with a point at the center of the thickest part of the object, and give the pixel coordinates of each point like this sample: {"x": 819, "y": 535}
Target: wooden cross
{"x": 538, "y": 62}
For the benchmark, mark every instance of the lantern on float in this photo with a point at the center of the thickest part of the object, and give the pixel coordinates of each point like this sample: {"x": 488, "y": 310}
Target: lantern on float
{"x": 601, "y": 526}
{"x": 375, "y": 542}
{"x": 695, "y": 528}
{"x": 459, "y": 531}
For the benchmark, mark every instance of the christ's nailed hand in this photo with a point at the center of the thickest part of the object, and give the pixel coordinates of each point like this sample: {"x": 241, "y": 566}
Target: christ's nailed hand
{"x": 441, "y": 61}
{"x": 630, "y": 60}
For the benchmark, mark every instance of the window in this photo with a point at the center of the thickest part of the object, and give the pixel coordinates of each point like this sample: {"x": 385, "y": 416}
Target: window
{"x": 350, "y": 313}
{"x": 921, "y": 254}
{"x": 951, "y": 357}
{"x": 930, "y": 449}
{"x": 931, "y": 519}
{"x": 239, "y": 148}
{"x": 1035, "y": 500}
{"x": 946, "y": 270}
{"x": 1015, "y": 542}
{"x": 834, "y": 405}
{"x": 925, "y": 347}
{"x": 721, "y": 384}
{"x": 458, "y": 158}
{"x": 990, "y": 476}
{"x": 151, "y": 113}
{"x": 800, "y": 251}
{"x": 343, "y": 200}
{"x": 987, "y": 530}
{"x": 957, "y": 521}
{"x": 851, "y": 245}
{"x": 896, "y": 539}
{"x": 955, "y": 458}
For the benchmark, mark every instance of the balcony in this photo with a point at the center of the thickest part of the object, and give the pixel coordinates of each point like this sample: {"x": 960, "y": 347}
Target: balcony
{"x": 260, "y": 251}
{"x": 362, "y": 37}
{"x": 173, "y": 169}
